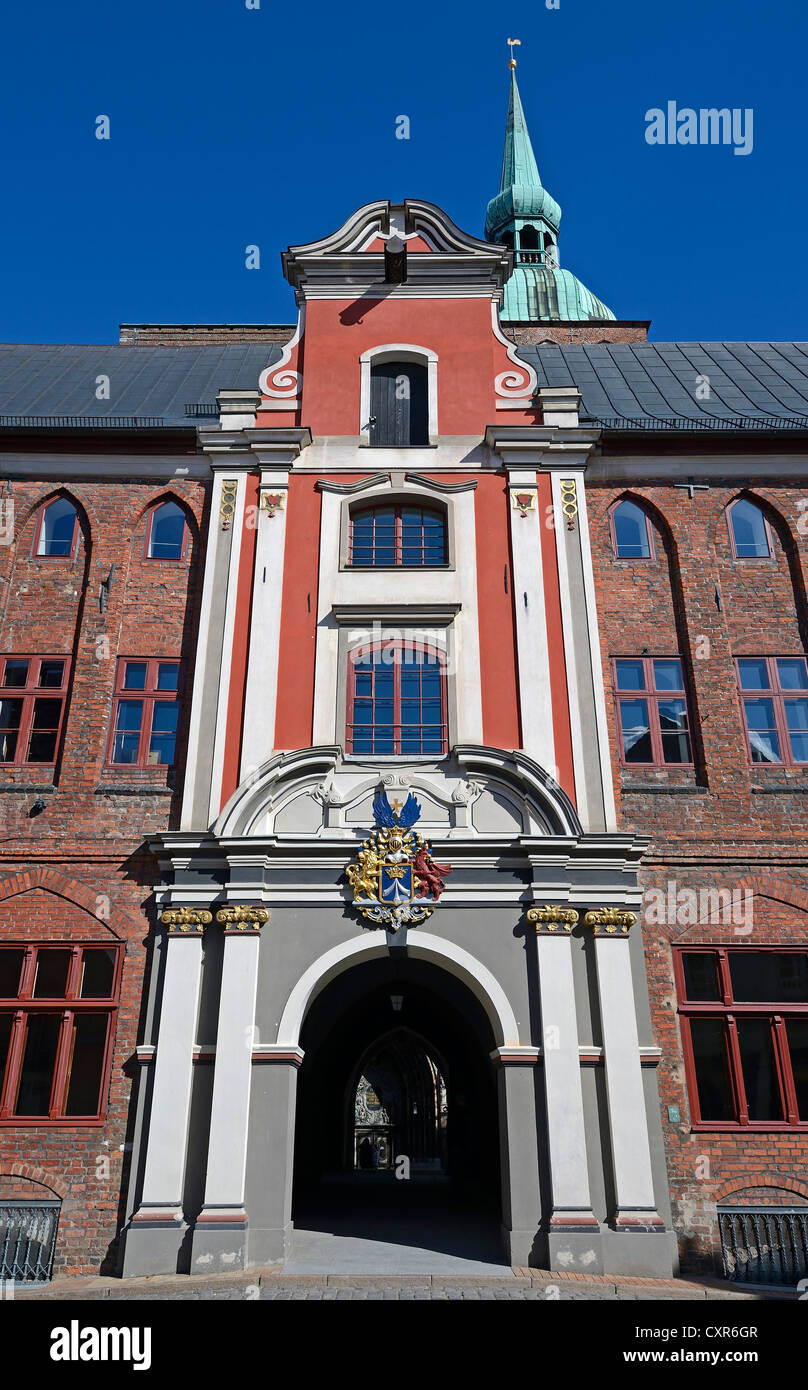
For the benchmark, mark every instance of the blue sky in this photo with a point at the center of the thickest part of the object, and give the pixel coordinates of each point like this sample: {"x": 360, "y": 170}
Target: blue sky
{"x": 232, "y": 127}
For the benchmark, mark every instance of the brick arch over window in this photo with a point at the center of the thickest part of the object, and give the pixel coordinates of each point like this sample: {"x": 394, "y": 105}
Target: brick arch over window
{"x": 662, "y": 539}
{"x": 51, "y": 1181}
{"x": 770, "y": 592}
{"x": 753, "y": 1177}
{"x": 778, "y": 890}
{"x": 88, "y": 518}
{"x": 157, "y": 500}
{"x": 654, "y": 621}
{"x": 779, "y": 524}
{"x": 52, "y": 881}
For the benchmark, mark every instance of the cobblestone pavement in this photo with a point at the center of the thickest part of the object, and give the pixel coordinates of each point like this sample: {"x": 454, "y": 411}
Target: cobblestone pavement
{"x": 520, "y": 1286}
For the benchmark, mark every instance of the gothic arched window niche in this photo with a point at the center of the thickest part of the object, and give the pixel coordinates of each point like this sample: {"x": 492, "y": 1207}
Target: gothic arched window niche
{"x": 57, "y": 530}
{"x": 749, "y": 531}
{"x": 398, "y": 397}
{"x": 402, "y": 533}
{"x": 632, "y": 532}
{"x": 167, "y": 532}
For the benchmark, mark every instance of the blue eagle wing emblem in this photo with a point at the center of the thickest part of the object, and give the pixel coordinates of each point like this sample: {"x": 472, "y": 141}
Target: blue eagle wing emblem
{"x": 383, "y": 811}
{"x": 411, "y": 812}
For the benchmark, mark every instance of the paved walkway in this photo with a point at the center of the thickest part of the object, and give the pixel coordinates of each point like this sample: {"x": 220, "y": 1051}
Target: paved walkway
{"x": 276, "y": 1283}
{"x": 387, "y": 1240}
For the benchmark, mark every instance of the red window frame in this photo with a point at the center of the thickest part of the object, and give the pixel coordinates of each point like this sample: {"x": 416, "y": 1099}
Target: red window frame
{"x": 35, "y": 555}
{"x": 749, "y": 559}
{"x": 23, "y": 1005}
{"x": 149, "y": 695}
{"x": 778, "y": 696}
{"x": 186, "y": 535}
{"x": 395, "y": 646}
{"x": 397, "y": 508}
{"x": 728, "y": 1011}
{"x": 29, "y": 693}
{"x": 649, "y": 531}
{"x": 652, "y": 697}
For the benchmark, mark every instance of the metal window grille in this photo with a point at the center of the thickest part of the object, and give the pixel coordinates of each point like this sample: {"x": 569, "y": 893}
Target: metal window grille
{"x": 765, "y": 1245}
{"x": 28, "y": 1240}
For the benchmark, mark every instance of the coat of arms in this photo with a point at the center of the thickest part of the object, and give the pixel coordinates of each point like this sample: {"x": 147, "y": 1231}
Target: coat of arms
{"x": 394, "y": 877}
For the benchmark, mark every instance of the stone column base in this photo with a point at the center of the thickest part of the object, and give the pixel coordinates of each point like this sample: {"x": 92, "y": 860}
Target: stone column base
{"x": 219, "y": 1242}
{"x": 270, "y": 1246}
{"x": 574, "y": 1243}
{"x": 153, "y": 1241}
{"x": 649, "y": 1251}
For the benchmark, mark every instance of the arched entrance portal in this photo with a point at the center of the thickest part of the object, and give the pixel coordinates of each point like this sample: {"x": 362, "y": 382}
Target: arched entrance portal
{"x": 397, "y": 1135}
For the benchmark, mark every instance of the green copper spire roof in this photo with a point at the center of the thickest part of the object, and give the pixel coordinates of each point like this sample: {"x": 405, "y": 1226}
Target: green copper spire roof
{"x": 518, "y": 161}
{"x": 526, "y": 217}
{"x": 520, "y": 188}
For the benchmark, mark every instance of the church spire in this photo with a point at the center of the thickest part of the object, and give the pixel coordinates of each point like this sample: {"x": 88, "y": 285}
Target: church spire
{"x": 522, "y": 202}
{"x": 518, "y": 160}
{"x": 525, "y": 217}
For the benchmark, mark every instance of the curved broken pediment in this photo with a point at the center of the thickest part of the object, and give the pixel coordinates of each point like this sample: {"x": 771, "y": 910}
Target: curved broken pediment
{"x": 477, "y": 792}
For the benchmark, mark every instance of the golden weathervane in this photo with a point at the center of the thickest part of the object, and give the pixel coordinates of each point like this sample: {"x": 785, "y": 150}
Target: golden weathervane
{"x": 512, "y": 44}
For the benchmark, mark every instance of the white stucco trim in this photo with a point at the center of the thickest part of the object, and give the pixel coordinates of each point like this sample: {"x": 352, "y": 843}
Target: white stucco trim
{"x": 212, "y": 542}
{"x": 568, "y": 631}
{"x": 516, "y": 388}
{"x": 610, "y": 813}
{"x": 420, "y": 946}
{"x": 628, "y": 1124}
{"x": 261, "y": 693}
{"x": 230, "y": 1104}
{"x": 171, "y": 1098}
{"x": 398, "y": 352}
{"x": 220, "y": 732}
{"x": 533, "y": 649}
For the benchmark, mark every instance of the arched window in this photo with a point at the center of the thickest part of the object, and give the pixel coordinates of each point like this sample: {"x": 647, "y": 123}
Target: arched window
{"x": 749, "y": 531}
{"x": 529, "y": 239}
{"x": 398, "y": 535}
{"x": 58, "y": 528}
{"x": 632, "y": 535}
{"x": 397, "y": 700}
{"x": 167, "y": 532}
{"x": 507, "y": 240}
{"x": 399, "y": 405}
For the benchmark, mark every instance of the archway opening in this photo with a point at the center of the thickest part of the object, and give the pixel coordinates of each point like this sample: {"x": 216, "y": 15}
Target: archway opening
{"x": 397, "y": 1133}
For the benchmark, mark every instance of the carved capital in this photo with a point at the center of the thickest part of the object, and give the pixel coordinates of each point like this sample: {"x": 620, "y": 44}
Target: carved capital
{"x": 242, "y": 918}
{"x": 610, "y": 921}
{"x": 185, "y": 921}
{"x": 552, "y": 919}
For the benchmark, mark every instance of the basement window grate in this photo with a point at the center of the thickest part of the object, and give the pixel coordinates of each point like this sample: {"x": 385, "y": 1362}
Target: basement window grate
{"x": 28, "y": 1240}
{"x": 764, "y": 1245}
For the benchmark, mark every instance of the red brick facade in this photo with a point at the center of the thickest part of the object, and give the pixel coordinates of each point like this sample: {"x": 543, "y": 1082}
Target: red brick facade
{"x": 725, "y": 823}
{"x": 78, "y": 872}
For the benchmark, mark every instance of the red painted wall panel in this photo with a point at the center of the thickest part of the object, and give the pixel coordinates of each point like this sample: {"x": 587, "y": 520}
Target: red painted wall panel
{"x": 295, "y": 707}
{"x": 500, "y": 695}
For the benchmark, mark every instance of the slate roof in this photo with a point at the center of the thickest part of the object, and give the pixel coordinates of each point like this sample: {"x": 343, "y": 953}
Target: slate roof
{"x": 751, "y": 385}
{"x": 647, "y": 386}
{"x": 145, "y": 383}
